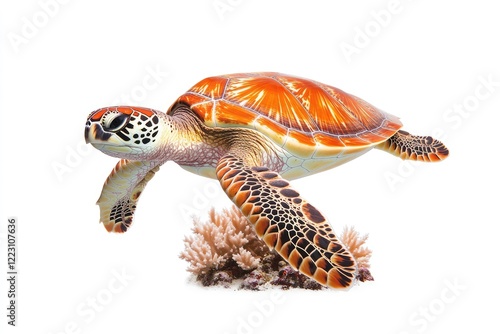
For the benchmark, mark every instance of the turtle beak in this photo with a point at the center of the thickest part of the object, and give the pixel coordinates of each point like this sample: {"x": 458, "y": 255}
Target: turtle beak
{"x": 94, "y": 133}
{"x": 87, "y": 131}
{"x": 105, "y": 141}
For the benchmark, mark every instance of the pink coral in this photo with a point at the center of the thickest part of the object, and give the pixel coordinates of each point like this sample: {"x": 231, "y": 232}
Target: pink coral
{"x": 354, "y": 242}
{"x": 226, "y": 235}
{"x": 226, "y": 247}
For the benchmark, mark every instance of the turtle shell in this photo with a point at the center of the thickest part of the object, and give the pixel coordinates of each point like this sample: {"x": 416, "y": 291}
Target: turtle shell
{"x": 303, "y": 116}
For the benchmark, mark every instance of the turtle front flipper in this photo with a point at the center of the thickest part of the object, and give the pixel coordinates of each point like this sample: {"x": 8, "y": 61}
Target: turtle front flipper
{"x": 121, "y": 192}
{"x": 419, "y": 148}
{"x": 287, "y": 222}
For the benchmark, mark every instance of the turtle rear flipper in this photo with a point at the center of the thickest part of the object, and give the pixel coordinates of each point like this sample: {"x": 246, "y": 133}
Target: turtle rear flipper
{"x": 121, "y": 192}
{"x": 419, "y": 148}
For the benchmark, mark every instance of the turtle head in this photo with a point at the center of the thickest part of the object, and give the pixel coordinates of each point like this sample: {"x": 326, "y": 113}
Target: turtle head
{"x": 125, "y": 132}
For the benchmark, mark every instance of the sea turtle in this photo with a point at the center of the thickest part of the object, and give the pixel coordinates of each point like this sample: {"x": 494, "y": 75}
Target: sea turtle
{"x": 254, "y": 132}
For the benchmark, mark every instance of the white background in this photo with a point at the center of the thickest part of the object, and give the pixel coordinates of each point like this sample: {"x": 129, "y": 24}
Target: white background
{"x": 431, "y": 226}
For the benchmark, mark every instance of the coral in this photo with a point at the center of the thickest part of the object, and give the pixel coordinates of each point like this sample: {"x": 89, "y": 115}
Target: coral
{"x": 354, "y": 242}
{"x": 227, "y": 235}
{"x": 226, "y": 248}
{"x": 245, "y": 259}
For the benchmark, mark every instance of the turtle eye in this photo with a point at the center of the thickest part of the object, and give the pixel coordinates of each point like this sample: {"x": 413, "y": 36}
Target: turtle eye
{"x": 114, "y": 121}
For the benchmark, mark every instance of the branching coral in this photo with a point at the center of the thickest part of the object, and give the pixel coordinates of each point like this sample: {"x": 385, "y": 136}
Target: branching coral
{"x": 227, "y": 235}
{"x": 354, "y": 242}
{"x": 226, "y": 247}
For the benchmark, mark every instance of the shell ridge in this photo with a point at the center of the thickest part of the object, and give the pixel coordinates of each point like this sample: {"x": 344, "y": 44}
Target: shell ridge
{"x": 223, "y": 95}
{"x": 294, "y": 117}
{"x": 310, "y": 119}
{"x": 386, "y": 118}
{"x": 346, "y": 109}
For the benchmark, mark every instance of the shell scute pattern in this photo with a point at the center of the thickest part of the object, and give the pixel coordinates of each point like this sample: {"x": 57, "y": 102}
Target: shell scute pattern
{"x": 298, "y": 114}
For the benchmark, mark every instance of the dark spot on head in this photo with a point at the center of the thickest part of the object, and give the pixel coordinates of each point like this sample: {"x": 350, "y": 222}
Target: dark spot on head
{"x": 148, "y": 124}
{"x": 146, "y": 140}
{"x": 144, "y": 118}
{"x": 155, "y": 119}
{"x": 123, "y": 136}
{"x": 100, "y": 134}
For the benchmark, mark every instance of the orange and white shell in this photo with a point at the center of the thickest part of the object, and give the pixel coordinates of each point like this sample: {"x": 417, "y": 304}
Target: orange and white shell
{"x": 307, "y": 118}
